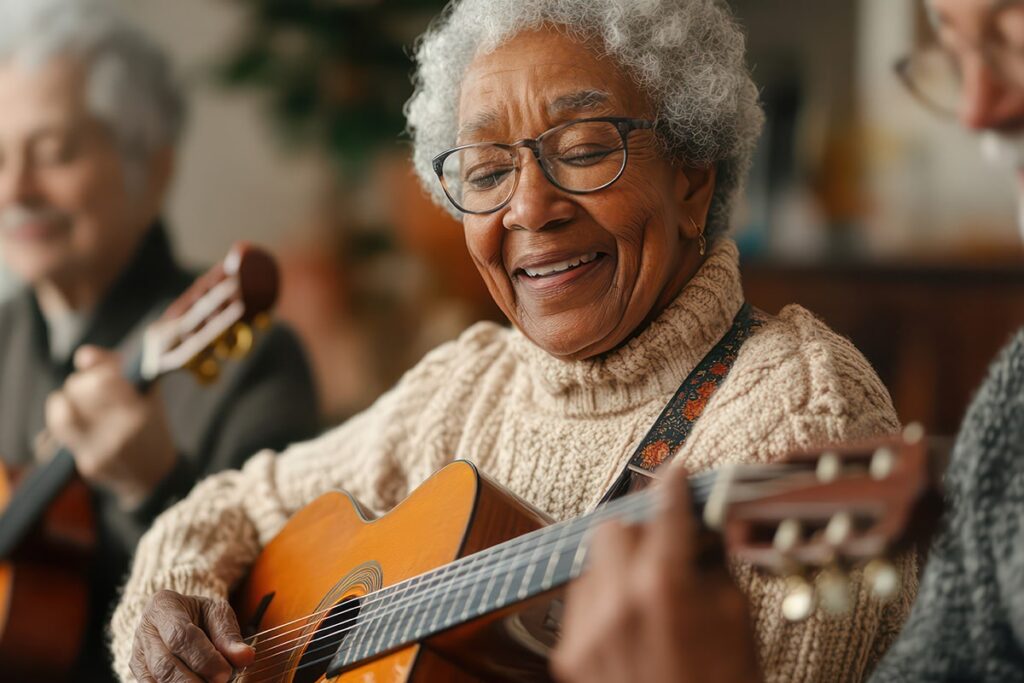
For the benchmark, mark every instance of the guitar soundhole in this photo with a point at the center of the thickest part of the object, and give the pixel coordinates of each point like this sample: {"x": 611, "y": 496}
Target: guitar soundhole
{"x": 326, "y": 640}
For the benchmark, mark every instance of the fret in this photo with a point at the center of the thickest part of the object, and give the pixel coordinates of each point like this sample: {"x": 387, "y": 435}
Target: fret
{"x": 531, "y": 569}
{"x": 493, "y": 580}
{"x": 467, "y": 604}
{"x": 457, "y": 598}
{"x": 378, "y": 642}
{"x": 408, "y": 594}
{"x": 547, "y": 582}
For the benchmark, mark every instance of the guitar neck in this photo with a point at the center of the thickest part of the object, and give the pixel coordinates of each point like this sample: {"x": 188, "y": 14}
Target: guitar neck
{"x": 41, "y": 487}
{"x": 490, "y": 580}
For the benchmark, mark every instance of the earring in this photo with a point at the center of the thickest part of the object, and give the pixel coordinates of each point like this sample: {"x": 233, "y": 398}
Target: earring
{"x": 702, "y": 242}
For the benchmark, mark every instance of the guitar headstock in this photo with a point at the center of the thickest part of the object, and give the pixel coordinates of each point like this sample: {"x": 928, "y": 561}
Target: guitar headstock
{"x": 215, "y": 318}
{"x": 832, "y": 510}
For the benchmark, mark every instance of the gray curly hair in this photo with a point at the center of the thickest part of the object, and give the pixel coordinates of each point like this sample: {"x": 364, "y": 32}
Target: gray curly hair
{"x": 687, "y": 55}
{"x": 129, "y": 82}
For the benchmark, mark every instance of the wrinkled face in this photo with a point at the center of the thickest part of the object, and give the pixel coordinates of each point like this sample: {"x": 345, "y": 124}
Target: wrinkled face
{"x": 578, "y": 274}
{"x": 65, "y": 210}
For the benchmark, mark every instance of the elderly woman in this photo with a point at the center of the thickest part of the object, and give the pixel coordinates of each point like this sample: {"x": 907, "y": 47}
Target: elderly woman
{"x": 594, "y": 149}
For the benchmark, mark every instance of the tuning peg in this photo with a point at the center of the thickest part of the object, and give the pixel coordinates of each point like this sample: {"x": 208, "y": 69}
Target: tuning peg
{"x": 913, "y": 433}
{"x": 833, "y": 590}
{"x": 882, "y": 578}
{"x": 261, "y": 321}
{"x": 204, "y": 368}
{"x": 799, "y": 602}
{"x": 838, "y": 529}
{"x": 787, "y": 535}
{"x": 882, "y": 463}
{"x": 829, "y": 467}
{"x": 236, "y": 342}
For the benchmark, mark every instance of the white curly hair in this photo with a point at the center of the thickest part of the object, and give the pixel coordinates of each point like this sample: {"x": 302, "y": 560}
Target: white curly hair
{"x": 686, "y": 55}
{"x": 129, "y": 81}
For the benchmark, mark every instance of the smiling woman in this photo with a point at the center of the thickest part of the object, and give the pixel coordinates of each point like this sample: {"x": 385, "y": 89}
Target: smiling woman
{"x": 593, "y": 149}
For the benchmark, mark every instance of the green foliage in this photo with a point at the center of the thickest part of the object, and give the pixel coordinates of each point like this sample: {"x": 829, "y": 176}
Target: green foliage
{"x": 336, "y": 72}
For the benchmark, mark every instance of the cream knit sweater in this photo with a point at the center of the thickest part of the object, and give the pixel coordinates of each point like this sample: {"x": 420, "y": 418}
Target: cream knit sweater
{"x": 557, "y": 433}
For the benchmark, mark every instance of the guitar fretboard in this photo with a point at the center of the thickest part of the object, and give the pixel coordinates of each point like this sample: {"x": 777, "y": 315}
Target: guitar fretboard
{"x": 487, "y": 581}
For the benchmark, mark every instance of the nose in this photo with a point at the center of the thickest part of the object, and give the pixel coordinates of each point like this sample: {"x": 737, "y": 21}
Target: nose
{"x": 987, "y": 101}
{"x": 536, "y": 204}
{"x": 17, "y": 182}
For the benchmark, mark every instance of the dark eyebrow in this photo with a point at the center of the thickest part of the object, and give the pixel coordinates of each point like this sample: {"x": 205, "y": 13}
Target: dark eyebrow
{"x": 579, "y": 101}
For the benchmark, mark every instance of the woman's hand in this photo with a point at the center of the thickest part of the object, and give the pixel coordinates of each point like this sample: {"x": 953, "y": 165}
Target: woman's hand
{"x": 184, "y": 638}
{"x": 656, "y": 604}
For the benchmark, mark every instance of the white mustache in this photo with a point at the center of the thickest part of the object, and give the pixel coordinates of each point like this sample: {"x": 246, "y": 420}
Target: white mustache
{"x": 16, "y": 215}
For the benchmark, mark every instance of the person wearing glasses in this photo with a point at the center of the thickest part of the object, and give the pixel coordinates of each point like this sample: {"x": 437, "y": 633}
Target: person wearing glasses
{"x": 967, "y": 623}
{"x": 594, "y": 150}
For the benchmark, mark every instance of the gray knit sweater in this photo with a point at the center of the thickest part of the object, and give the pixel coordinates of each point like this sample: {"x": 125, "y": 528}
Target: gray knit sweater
{"x": 968, "y": 621}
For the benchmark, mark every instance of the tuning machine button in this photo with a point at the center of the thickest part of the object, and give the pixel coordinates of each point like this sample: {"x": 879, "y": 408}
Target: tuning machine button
{"x": 833, "y": 590}
{"x": 882, "y": 463}
{"x": 829, "y": 467}
{"x": 913, "y": 433}
{"x": 882, "y": 578}
{"x": 787, "y": 536}
{"x": 799, "y": 602}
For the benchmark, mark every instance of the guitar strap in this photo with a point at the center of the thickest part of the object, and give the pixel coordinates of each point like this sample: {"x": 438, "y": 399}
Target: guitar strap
{"x": 668, "y": 433}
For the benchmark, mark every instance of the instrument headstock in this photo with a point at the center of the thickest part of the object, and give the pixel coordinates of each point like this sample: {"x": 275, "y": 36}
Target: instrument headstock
{"x": 215, "y": 318}
{"x": 831, "y": 510}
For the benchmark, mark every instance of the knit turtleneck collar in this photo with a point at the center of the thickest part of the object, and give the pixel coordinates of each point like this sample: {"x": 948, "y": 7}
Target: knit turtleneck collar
{"x": 654, "y": 362}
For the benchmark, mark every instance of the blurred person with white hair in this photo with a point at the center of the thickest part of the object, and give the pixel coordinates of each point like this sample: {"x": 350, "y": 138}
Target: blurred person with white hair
{"x": 89, "y": 119}
{"x": 593, "y": 150}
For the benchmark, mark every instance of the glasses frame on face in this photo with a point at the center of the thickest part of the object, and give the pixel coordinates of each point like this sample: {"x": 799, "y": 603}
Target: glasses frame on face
{"x": 994, "y": 57}
{"x": 623, "y": 125}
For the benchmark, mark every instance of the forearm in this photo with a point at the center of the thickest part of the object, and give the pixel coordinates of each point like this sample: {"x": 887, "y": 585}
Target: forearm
{"x": 202, "y": 546}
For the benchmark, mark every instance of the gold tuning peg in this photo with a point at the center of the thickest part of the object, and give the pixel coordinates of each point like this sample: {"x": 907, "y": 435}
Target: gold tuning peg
{"x": 204, "y": 368}
{"x": 882, "y": 578}
{"x": 235, "y": 343}
{"x": 833, "y": 590}
{"x": 261, "y": 321}
{"x": 799, "y": 602}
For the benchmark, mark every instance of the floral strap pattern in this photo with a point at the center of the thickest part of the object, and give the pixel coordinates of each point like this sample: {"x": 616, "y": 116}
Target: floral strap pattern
{"x": 668, "y": 433}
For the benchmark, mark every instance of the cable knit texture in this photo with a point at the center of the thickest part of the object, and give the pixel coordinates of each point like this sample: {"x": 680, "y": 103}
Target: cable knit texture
{"x": 969, "y": 623}
{"x": 557, "y": 433}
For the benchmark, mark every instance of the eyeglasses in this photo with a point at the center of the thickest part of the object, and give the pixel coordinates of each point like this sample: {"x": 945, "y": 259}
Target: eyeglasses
{"x": 581, "y": 156}
{"x": 933, "y": 73}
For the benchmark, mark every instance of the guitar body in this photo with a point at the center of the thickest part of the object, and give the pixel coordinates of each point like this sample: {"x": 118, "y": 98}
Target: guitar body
{"x": 330, "y": 552}
{"x": 44, "y": 592}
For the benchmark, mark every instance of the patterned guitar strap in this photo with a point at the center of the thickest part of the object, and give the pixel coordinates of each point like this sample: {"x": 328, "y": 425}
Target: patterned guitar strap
{"x": 673, "y": 426}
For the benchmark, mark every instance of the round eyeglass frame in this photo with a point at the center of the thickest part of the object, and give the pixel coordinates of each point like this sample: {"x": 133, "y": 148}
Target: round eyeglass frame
{"x": 624, "y": 125}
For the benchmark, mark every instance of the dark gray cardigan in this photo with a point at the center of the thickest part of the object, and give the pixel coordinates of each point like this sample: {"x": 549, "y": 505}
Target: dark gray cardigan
{"x": 265, "y": 401}
{"x": 968, "y": 621}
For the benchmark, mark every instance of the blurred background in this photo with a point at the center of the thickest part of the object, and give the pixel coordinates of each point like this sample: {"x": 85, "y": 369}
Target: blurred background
{"x": 864, "y": 207}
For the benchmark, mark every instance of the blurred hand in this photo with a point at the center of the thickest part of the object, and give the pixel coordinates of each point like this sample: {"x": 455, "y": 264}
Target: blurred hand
{"x": 120, "y": 439}
{"x": 185, "y": 638}
{"x": 656, "y": 604}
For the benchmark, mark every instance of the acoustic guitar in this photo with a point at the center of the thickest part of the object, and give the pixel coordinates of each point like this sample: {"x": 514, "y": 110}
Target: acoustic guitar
{"x": 461, "y": 581}
{"x": 46, "y": 529}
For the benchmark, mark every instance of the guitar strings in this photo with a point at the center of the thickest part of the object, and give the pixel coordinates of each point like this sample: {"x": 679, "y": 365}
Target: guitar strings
{"x": 699, "y": 485}
{"x": 470, "y": 577}
{"x": 443, "y": 572}
{"x": 473, "y": 570}
{"x": 504, "y": 567}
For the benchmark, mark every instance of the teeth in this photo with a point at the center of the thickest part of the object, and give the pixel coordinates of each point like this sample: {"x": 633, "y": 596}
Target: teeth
{"x": 552, "y": 268}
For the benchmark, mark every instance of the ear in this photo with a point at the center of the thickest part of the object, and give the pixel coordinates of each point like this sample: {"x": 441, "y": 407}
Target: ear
{"x": 694, "y": 186}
